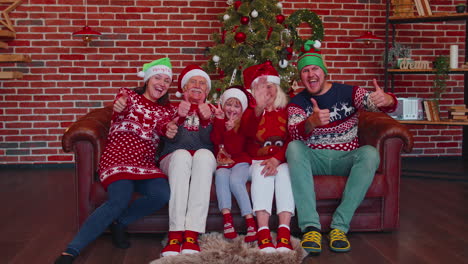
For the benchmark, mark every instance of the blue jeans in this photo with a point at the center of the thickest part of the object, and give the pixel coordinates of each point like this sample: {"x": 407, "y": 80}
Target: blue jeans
{"x": 233, "y": 180}
{"x": 155, "y": 194}
{"x": 358, "y": 165}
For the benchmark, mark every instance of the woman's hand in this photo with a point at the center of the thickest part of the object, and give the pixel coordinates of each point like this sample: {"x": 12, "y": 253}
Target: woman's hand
{"x": 171, "y": 128}
{"x": 121, "y": 103}
{"x": 271, "y": 166}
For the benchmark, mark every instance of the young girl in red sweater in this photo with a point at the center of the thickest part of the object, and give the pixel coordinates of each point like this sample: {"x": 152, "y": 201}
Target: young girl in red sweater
{"x": 233, "y": 161}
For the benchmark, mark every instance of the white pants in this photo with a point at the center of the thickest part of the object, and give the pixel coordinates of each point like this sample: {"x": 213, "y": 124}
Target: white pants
{"x": 263, "y": 188}
{"x": 190, "y": 181}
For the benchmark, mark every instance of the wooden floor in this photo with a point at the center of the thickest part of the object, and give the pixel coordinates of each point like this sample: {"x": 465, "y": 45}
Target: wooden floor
{"x": 37, "y": 221}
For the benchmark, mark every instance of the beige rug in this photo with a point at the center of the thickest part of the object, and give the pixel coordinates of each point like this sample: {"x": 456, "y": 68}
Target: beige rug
{"x": 216, "y": 249}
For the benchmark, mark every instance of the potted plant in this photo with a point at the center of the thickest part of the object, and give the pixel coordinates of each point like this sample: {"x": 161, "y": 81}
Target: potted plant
{"x": 460, "y": 8}
{"x": 397, "y": 54}
{"x": 441, "y": 66}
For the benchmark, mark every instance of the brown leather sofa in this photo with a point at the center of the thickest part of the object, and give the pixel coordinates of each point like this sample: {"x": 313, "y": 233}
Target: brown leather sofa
{"x": 378, "y": 212}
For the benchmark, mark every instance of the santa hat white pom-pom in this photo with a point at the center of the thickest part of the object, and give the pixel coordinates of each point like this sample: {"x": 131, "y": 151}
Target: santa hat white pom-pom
{"x": 317, "y": 44}
{"x": 178, "y": 94}
{"x": 141, "y": 74}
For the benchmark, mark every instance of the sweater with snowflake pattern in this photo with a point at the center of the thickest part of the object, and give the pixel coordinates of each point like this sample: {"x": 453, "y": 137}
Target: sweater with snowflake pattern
{"x": 343, "y": 101}
{"x": 133, "y": 139}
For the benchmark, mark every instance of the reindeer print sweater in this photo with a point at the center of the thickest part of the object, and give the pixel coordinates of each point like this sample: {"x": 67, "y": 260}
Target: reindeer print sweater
{"x": 343, "y": 101}
{"x": 133, "y": 139}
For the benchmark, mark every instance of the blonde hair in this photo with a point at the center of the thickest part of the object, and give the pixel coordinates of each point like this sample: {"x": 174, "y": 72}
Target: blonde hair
{"x": 281, "y": 99}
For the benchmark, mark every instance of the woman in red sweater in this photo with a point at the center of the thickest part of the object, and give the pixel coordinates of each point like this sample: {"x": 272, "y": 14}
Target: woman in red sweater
{"x": 267, "y": 137}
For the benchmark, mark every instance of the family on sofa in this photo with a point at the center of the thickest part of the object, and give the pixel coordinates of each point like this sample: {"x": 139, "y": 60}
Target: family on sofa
{"x": 255, "y": 133}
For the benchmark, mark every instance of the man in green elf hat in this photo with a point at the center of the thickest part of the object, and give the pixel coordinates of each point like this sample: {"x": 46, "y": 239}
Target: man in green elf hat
{"x": 323, "y": 125}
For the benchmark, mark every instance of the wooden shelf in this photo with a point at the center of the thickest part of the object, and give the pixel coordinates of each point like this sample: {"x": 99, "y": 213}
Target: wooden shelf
{"x": 416, "y": 71}
{"x": 442, "y": 122}
{"x": 11, "y": 75}
{"x": 438, "y": 17}
{"x": 14, "y": 58}
{"x": 7, "y": 34}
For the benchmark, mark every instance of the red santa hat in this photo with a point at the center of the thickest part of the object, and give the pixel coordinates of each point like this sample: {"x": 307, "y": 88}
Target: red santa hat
{"x": 252, "y": 73}
{"x": 237, "y": 92}
{"x": 189, "y": 72}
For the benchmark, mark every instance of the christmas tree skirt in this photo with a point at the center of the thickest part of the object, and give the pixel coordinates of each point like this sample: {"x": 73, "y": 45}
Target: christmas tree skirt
{"x": 216, "y": 249}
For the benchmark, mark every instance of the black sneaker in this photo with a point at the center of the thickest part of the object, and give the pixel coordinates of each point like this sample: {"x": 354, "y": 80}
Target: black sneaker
{"x": 119, "y": 236}
{"x": 338, "y": 241}
{"x": 312, "y": 240}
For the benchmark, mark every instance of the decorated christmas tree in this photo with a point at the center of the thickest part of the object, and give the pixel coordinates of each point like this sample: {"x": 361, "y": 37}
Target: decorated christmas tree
{"x": 253, "y": 32}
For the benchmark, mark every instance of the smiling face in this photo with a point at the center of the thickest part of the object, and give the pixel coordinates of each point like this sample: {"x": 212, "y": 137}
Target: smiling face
{"x": 196, "y": 90}
{"x": 157, "y": 86}
{"x": 313, "y": 78}
{"x": 233, "y": 108}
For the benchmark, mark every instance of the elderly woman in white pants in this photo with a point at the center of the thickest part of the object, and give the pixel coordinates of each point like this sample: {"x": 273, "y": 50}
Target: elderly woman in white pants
{"x": 265, "y": 127}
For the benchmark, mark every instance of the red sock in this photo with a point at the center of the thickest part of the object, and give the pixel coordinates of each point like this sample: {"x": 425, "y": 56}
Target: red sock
{"x": 174, "y": 239}
{"x": 251, "y": 235}
{"x": 264, "y": 241}
{"x": 229, "y": 231}
{"x": 283, "y": 243}
{"x": 190, "y": 245}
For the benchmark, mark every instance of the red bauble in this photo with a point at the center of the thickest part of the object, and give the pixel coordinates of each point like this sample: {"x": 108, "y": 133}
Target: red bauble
{"x": 244, "y": 20}
{"x": 237, "y": 4}
{"x": 290, "y": 53}
{"x": 221, "y": 73}
{"x": 280, "y": 19}
{"x": 240, "y": 37}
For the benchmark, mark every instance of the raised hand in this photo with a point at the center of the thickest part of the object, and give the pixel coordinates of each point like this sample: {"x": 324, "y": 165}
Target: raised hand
{"x": 319, "y": 117}
{"x": 218, "y": 111}
{"x": 171, "y": 128}
{"x": 121, "y": 103}
{"x": 379, "y": 97}
{"x": 183, "y": 109}
{"x": 205, "y": 111}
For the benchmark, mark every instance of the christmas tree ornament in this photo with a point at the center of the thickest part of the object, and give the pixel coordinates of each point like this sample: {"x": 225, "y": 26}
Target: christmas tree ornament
{"x": 226, "y": 17}
{"x": 279, "y": 5}
{"x": 244, "y": 20}
{"x": 240, "y": 37}
{"x": 289, "y": 53}
{"x": 283, "y": 63}
{"x": 254, "y": 13}
{"x": 216, "y": 58}
{"x": 280, "y": 19}
{"x": 237, "y": 4}
{"x": 229, "y": 2}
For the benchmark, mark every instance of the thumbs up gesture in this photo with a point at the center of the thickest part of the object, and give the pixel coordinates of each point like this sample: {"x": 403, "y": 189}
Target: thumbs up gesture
{"x": 319, "y": 117}
{"x": 171, "y": 128}
{"x": 379, "y": 97}
{"x": 121, "y": 103}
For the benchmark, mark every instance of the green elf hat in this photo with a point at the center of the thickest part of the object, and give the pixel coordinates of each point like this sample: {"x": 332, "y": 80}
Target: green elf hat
{"x": 162, "y": 65}
{"x": 311, "y": 56}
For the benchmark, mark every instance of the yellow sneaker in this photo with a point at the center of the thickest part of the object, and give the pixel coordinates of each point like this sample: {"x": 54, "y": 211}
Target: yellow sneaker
{"x": 338, "y": 241}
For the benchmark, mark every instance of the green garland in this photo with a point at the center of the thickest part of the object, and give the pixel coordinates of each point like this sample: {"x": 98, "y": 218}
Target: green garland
{"x": 304, "y": 15}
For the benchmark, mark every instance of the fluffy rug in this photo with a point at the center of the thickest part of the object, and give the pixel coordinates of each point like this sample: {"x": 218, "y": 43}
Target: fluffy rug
{"x": 216, "y": 249}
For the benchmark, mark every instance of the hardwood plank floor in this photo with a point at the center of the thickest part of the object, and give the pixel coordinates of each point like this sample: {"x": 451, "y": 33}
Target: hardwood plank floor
{"x": 37, "y": 221}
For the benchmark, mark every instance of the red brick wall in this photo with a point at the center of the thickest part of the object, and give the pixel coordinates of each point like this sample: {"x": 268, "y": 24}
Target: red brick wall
{"x": 67, "y": 78}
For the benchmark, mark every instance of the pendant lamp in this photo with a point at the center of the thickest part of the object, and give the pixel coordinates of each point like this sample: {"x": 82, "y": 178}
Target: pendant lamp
{"x": 368, "y": 37}
{"x": 86, "y": 33}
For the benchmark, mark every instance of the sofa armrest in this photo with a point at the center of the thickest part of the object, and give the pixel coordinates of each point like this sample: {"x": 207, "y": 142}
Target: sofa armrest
{"x": 93, "y": 127}
{"x": 375, "y": 128}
